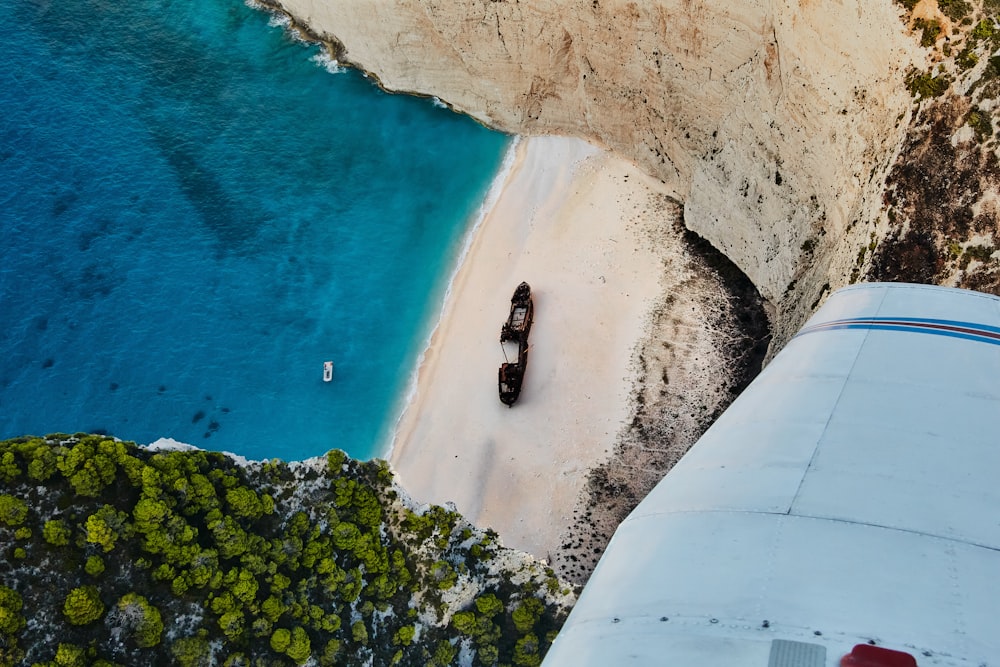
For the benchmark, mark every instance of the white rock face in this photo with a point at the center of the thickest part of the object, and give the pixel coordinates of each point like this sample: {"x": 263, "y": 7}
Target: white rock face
{"x": 775, "y": 120}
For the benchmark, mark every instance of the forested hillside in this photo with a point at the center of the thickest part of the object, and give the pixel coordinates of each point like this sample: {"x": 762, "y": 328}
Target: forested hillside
{"x": 117, "y": 554}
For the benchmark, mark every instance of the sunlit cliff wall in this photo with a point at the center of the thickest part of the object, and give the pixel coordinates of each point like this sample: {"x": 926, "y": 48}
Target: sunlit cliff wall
{"x": 774, "y": 121}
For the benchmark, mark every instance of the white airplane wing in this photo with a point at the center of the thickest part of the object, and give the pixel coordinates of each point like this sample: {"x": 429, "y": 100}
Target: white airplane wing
{"x": 850, "y": 496}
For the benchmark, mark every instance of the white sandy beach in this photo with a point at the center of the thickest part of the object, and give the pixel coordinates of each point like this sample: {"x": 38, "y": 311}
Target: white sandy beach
{"x": 570, "y": 221}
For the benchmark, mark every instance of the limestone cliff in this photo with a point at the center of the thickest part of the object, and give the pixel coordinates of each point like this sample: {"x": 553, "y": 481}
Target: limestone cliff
{"x": 776, "y": 121}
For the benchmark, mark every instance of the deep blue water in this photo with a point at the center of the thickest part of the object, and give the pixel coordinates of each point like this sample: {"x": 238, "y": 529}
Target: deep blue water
{"x": 195, "y": 214}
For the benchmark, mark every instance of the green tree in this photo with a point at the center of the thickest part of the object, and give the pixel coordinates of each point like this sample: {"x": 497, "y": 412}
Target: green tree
{"x": 232, "y": 541}
{"x": 244, "y": 503}
{"x": 9, "y": 470}
{"x": 13, "y": 511}
{"x": 200, "y": 496}
{"x": 330, "y": 623}
{"x": 465, "y": 622}
{"x": 94, "y": 566}
{"x": 137, "y": 617}
{"x": 527, "y": 613}
{"x": 245, "y": 586}
{"x": 367, "y": 508}
{"x": 404, "y": 635}
{"x": 83, "y": 605}
{"x": 443, "y": 574}
{"x": 444, "y": 654}
{"x": 233, "y": 624}
{"x": 272, "y": 608}
{"x": 181, "y": 546}
{"x": 204, "y": 565}
{"x": 345, "y": 536}
{"x": 299, "y": 648}
{"x": 70, "y": 655}
{"x": 343, "y": 491}
{"x": 335, "y": 459}
{"x": 261, "y": 627}
{"x": 149, "y": 515}
{"x": 11, "y": 620}
{"x": 104, "y": 527}
{"x": 280, "y": 639}
{"x": 191, "y": 651}
{"x": 489, "y": 605}
{"x": 56, "y": 532}
{"x": 223, "y": 603}
{"x": 11, "y": 624}
{"x": 488, "y": 654}
{"x": 526, "y": 652}
{"x": 359, "y": 632}
{"x": 42, "y": 463}
{"x": 329, "y": 656}
{"x": 88, "y": 468}
{"x": 239, "y": 660}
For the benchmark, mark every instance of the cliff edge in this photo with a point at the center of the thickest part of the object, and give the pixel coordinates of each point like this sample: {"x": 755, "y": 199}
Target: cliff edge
{"x": 776, "y": 121}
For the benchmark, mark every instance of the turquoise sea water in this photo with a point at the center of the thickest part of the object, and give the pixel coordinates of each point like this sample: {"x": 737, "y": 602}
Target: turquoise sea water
{"x": 196, "y": 213}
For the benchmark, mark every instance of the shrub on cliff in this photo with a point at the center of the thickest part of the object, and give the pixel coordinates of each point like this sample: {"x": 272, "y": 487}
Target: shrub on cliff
{"x": 925, "y": 84}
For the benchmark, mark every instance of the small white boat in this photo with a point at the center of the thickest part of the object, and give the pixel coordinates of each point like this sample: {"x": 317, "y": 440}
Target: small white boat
{"x": 327, "y": 371}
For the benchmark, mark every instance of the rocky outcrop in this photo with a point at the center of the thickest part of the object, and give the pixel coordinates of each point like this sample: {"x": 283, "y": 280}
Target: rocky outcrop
{"x": 776, "y": 121}
{"x": 942, "y": 196}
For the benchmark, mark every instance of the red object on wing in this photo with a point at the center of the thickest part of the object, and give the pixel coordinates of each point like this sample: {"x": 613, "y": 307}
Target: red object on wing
{"x": 866, "y": 655}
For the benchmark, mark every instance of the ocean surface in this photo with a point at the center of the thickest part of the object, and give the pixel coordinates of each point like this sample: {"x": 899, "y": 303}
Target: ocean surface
{"x": 197, "y": 210}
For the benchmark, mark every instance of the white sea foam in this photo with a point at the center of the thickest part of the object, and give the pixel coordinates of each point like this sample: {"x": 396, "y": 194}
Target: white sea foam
{"x": 438, "y": 103}
{"x": 327, "y": 62}
{"x": 279, "y": 19}
{"x": 492, "y": 195}
{"x": 276, "y": 16}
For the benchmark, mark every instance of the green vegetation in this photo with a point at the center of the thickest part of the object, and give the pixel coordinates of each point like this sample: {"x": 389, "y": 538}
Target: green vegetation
{"x": 966, "y": 58}
{"x": 929, "y": 31}
{"x": 980, "y": 122}
{"x": 12, "y": 622}
{"x": 978, "y": 252}
{"x": 137, "y": 617}
{"x": 984, "y": 32}
{"x": 925, "y": 84}
{"x": 12, "y": 510}
{"x": 83, "y": 605}
{"x": 131, "y": 556}
{"x": 956, "y": 10}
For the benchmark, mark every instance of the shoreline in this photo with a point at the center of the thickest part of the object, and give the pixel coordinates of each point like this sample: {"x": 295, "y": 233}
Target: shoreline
{"x": 575, "y": 222}
{"x": 507, "y": 164}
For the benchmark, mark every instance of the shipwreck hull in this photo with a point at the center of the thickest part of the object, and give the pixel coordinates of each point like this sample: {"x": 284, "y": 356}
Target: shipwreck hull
{"x": 510, "y": 377}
